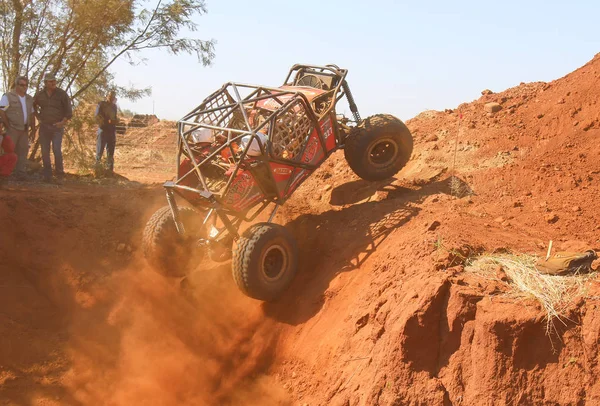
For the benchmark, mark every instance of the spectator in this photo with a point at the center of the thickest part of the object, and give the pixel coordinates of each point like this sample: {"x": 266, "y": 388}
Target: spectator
{"x": 16, "y": 113}
{"x": 53, "y": 111}
{"x": 106, "y": 117}
{"x": 8, "y": 159}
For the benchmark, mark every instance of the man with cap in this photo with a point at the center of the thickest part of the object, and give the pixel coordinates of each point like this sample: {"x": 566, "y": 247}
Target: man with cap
{"x": 16, "y": 113}
{"x": 106, "y": 117}
{"x": 53, "y": 111}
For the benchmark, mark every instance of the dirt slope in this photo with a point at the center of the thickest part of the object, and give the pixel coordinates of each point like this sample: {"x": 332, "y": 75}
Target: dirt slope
{"x": 382, "y": 311}
{"x": 400, "y": 324}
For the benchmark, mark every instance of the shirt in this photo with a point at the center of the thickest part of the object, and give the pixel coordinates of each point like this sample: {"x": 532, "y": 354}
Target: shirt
{"x": 4, "y": 102}
{"x": 54, "y": 108}
{"x": 105, "y": 112}
{"x": 24, "y": 107}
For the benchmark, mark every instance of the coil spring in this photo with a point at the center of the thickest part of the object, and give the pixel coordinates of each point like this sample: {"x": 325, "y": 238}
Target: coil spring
{"x": 351, "y": 102}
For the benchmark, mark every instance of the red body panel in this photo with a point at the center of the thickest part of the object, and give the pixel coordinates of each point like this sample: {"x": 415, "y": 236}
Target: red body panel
{"x": 243, "y": 193}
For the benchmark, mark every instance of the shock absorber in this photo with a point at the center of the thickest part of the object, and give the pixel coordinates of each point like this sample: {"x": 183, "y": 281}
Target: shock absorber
{"x": 351, "y": 102}
{"x": 175, "y": 212}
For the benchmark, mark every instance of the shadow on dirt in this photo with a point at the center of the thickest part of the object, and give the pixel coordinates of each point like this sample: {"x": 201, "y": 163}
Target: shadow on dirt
{"x": 359, "y": 190}
{"x": 342, "y": 240}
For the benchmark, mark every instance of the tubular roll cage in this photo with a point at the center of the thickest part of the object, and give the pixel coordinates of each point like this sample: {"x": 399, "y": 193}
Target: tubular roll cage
{"x": 217, "y": 113}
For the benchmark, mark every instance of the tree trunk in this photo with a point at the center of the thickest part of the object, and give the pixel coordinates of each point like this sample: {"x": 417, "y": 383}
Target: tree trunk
{"x": 15, "y": 54}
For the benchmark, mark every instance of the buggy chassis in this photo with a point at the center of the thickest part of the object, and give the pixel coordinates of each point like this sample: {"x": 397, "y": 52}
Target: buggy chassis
{"x": 246, "y": 147}
{"x": 216, "y": 112}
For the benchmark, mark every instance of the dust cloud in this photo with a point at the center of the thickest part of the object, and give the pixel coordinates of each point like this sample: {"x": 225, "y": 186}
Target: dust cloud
{"x": 141, "y": 339}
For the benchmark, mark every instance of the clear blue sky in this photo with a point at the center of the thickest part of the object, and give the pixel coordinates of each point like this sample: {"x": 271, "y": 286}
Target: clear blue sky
{"x": 403, "y": 57}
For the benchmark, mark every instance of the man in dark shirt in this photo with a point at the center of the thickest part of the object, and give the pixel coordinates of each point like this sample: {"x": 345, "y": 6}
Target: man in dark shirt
{"x": 106, "y": 117}
{"x": 53, "y": 111}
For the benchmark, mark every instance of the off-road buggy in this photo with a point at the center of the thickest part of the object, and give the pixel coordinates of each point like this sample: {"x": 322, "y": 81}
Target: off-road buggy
{"x": 248, "y": 147}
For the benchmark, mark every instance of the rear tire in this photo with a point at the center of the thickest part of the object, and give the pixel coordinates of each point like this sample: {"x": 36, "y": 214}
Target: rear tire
{"x": 265, "y": 261}
{"x": 166, "y": 251}
{"x": 378, "y": 147}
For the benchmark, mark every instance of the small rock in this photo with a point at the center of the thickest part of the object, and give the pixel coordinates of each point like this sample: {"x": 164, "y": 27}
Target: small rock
{"x": 506, "y": 224}
{"x": 492, "y": 107}
{"x": 551, "y": 218}
{"x": 129, "y": 248}
{"x": 500, "y": 274}
{"x": 486, "y": 92}
{"x": 326, "y": 188}
{"x": 487, "y": 225}
{"x": 121, "y": 247}
{"x": 576, "y": 208}
{"x": 499, "y": 220}
{"x": 517, "y": 204}
{"x": 432, "y": 138}
{"x": 561, "y": 101}
{"x": 540, "y": 115}
{"x": 434, "y": 225}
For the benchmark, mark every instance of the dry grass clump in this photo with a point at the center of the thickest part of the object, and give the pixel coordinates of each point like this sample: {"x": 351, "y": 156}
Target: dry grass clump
{"x": 554, "y": 292}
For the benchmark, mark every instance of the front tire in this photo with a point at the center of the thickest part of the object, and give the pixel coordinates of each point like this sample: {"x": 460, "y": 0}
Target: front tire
{"x": 166, "y": 251}
{"x": 265, "y": 261}
{"x": 378, "y": 147}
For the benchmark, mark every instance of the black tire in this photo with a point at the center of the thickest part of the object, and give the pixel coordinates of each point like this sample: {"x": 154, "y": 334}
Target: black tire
{"x": 265, "y": 261}
{"x": 165, "y": 250}
{"x": 378, "y": 147}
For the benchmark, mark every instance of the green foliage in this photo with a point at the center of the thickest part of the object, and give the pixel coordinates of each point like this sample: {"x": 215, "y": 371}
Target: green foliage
{"x": 79, "y": 40}
{"x": 127, "y": 113}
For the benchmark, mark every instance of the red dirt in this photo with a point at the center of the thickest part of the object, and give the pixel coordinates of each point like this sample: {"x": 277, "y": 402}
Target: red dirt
{"x": 380, "y": 313}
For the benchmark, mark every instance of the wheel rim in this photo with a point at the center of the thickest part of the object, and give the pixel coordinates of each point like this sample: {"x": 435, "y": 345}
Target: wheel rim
{"x": 274, "y": 263}
{"x": 383, "y": 152}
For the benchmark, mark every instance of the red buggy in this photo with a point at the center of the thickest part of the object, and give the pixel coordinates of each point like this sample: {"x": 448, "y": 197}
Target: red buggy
{"x": 247, "y": 148}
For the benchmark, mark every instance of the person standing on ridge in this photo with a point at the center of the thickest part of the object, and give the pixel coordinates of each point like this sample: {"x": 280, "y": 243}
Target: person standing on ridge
{"x": 8, "y": 158}
{"x": 17, "y": 115}
{"x": 106, "y": 117}
{"x": 53, "y": 111}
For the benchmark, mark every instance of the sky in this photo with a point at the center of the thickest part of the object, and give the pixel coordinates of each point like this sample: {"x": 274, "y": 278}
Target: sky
{"x": 403, "y": 57}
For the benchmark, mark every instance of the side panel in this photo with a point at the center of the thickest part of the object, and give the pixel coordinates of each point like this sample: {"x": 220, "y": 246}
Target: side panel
{"x": 314, "y": 153}
{"x": 282, "y": 175}
{"x": 243, "y": 193}
{"x": 328, "y": 134}
{"x": 297, "y": 178}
